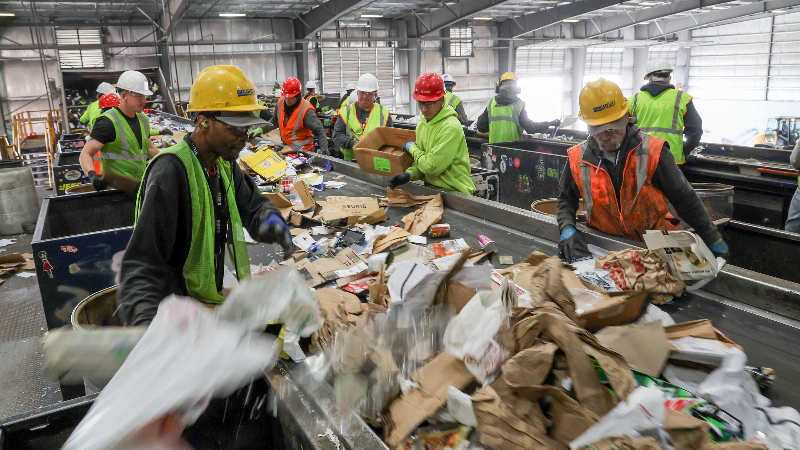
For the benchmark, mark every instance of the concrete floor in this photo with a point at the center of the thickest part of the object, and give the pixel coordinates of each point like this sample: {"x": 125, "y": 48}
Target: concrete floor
{"x": 23, "y": 385}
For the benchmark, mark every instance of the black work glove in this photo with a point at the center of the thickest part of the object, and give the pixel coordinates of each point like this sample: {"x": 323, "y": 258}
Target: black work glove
{"x": 166, "y": 131}
{"x": 400, "y": 178}
{"x": 97, "y": 181}
{"x": 274, "y": 230}
{"x": 571, "y": 245}
{"x": 554, "y": 123}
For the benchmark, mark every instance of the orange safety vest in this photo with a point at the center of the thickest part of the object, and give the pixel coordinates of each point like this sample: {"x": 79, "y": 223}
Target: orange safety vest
{"x": 294, "y": 133}
{"x": 602, "y": 210}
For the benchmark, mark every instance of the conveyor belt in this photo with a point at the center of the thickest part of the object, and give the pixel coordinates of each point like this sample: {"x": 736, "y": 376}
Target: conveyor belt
{"x": 768, "y": 339}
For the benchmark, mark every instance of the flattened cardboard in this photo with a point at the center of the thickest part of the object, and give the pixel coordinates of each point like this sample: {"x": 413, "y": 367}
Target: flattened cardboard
{"x": 321, "y": 270}
{"x": 304, "y": 194}
{"x": 381, "y": 151}
{"x": 644, "y": 346}
{"x": 411, "y": 409}
{"x": 267, "y": 163}
{"x": 351, "y": 210}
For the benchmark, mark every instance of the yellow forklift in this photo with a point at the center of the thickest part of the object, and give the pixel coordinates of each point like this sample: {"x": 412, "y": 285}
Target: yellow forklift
{"x": 781, "y": 133}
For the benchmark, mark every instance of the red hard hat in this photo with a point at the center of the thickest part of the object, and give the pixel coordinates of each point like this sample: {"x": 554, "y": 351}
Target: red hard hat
{"x": 429, "y": 87}
{"x": 109, "y": 100}
{"x": 291, "y": 87}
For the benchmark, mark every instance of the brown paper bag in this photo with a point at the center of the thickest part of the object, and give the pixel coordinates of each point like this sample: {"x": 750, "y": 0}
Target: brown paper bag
{"x": 642, "y": 270}
{"x": 687, "y": 432}
{"x": 420, "y": 220}
{"x": 399, "y": 197}
{"x": 624, "y": 443}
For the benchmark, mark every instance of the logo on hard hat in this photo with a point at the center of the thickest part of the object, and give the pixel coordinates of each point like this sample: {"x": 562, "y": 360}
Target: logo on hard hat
{"x": 602, "y": 107}
{"x": 245, "y": 92}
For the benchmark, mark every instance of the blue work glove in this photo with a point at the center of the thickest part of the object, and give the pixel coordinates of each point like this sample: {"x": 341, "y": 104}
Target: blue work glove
{"x": 408, "y": 145}
{"x": 571, "y": 245}
{"x": 275, "y": 230}
{"x": 400, "y": 178}
{"x": 719, "y": 248}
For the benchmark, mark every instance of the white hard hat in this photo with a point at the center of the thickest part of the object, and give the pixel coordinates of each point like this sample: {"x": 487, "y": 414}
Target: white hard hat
{"x": 351, "y": 85}
{"x": 311, "y": 85}
{"x": 367, "y": 83}
{"x": 447, "y": 78}
{"x": 105, "y": 88}
{"x": 658, "y": 65}
{"x": 134, "y": 81}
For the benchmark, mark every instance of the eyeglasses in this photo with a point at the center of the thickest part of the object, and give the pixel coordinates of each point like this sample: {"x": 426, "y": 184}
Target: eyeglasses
{"x": 236, "y": 131}
{"x": 426, "y": 104}
{"x": 137, "y": 95}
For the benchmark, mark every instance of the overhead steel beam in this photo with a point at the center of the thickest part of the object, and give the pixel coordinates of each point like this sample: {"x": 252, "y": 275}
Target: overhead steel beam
{"x": 309, "y": 23}
{"x": 173, "y": 14}
{"x": 667, "y": 27}
{"x": 423, "y": 24}
{"x": 529, "y": 23}
{"x": 602, "y": 25}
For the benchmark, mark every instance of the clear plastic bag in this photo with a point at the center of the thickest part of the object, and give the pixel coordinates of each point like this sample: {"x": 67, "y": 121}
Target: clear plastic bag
{"x": 585, "y": 299}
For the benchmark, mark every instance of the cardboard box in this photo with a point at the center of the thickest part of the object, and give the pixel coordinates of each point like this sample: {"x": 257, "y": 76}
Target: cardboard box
{"x": 351, "y": 210}
{"x": 381, "y": 151}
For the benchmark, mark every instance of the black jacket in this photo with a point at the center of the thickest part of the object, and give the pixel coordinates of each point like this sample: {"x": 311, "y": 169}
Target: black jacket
{"x": 667, "y": 178}
{"x": 152, "y": 267}
{"x": 692, "y": 123}
{"x": 507, "y": 97}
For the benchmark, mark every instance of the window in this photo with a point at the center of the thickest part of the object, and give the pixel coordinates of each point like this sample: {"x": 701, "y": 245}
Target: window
{"x": 460, "y": 42}
{"x": 79, "y": 59}
{"x": 543, "y": 97}
{"x": 533, "y": 61}
{"x": 343, "y": 65}
{"x": 605, "y": 62}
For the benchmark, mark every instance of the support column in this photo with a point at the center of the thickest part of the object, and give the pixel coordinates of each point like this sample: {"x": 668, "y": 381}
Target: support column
{"x": 578, "y": 69}
{"x": 505, "y": 56}
{"x": 640, "y": 56}
{"x": 302, "y": 62}
{"x": 414, "y": 71}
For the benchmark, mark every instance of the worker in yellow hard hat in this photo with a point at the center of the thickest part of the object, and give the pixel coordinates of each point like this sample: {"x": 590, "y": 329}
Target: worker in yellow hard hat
{"x": 505, "y": 117}
{"x": 195, "y": 202}
{"x": 626, "y": 178}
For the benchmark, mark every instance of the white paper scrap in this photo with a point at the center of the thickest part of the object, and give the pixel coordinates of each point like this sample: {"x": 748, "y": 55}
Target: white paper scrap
{"x": 303, "y": 241}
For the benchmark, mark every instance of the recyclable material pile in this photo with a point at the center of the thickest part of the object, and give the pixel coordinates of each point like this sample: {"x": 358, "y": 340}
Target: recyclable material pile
{"x": 434, "y": 347}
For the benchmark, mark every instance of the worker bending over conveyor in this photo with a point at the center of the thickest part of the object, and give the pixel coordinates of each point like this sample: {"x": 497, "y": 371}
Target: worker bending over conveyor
{"x": 627, "y": 179}
{"x": 297, "y": 119}
{"x": 440, "y": 157}
{"x": 195, "y": 203}
{"x": 505, "y": 116}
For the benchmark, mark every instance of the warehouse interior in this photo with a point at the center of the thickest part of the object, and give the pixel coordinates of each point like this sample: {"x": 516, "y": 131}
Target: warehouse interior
{"x": 493, "y": 223}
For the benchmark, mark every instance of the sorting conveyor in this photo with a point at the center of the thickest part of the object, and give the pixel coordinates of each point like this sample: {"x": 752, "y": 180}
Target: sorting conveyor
{"x": 751, "y": 309}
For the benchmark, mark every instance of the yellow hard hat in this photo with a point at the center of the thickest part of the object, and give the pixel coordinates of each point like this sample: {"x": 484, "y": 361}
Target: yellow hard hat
{"x": 602, "y": 102}
{"x": 223, "y": 88}
{"x": 508, "y": 76}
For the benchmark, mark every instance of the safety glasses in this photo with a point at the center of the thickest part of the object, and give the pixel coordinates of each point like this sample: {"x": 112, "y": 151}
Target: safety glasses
{"x": 236, "y": 131}
{"x": 426, "y": 104}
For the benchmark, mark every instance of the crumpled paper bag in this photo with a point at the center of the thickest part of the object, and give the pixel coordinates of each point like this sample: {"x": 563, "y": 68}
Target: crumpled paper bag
{"x": 642, "y": 270}
{"x": 624, "y": 443}
{"x": 420, "y": 220}
{"x": 399, "y": 197}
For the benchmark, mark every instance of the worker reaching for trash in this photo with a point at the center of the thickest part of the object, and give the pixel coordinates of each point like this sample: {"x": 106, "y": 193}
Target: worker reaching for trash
{"x": 297, "y": 119}
{"x": 93, "y": 112}
{"x": 358, "y": 119}
{"x": 627, "y": 179}
{"x": 195, "y": 202}
{"x": 665, "y": 112}
{"x": 440, "y": 156}
{"x": 122, "y": 138}
{"x": 505, "y": 116}
{"x": 452, "y": 100}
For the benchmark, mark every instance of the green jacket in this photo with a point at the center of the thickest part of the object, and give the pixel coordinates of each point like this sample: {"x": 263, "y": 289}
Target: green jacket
{"x": 92, "y": 113}
{"x": 662, "y": 116}
{"x": 440, "y": 155}
{"x": 198, "y": 271}
{"x": 124, "y": 155}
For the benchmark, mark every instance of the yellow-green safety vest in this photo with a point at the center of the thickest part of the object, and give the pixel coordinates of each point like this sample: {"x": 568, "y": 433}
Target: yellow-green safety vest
{"x": 124, "y": 155}
{"x": 198, "y": 271}
{"x": 378, "y": 117}
{"x": 451, "y": 99}
{"x": 504, "y": 121}
{"x": 92, "y": 113}
{"x": 662, "y": 116}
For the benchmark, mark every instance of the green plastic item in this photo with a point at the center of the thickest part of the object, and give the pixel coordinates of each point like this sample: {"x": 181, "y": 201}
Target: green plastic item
{"x": 327, "y": 122}
{"x": 348, "y": 154}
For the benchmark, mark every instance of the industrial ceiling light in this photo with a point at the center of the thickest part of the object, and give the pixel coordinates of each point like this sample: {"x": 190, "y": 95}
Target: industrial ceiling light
{"x": 7, "y": 14}
{"x": 644, "y": 22}
{"x": 779, "y": 11}
{"x": 570, "y": 20}
{"x": 720, "y": 7}
{"x": 371, "y": 16}
{"x": 649, "y": 3}
{"x": 481, "y": 18}
{"x": 232, "y": 14}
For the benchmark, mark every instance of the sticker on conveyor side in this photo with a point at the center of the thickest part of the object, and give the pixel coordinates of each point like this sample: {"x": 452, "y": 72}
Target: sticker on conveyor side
{"x": 46, "y": 264}
{"x": 72, "y": 175}
{"x": 68, "y": 249}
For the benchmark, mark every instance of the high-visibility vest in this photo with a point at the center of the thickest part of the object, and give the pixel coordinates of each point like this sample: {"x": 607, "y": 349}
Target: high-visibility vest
{"x": 451, "y": 99}
{"x": 294, "y": 133}
{"x": 504, "y": 121}
{"x": 198, "y": 271}
{"x": 641, "y": 206}
{"x": 378, "y": 117}
{"x": 662, "y": 116}
{"x": 125, "y": 155}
